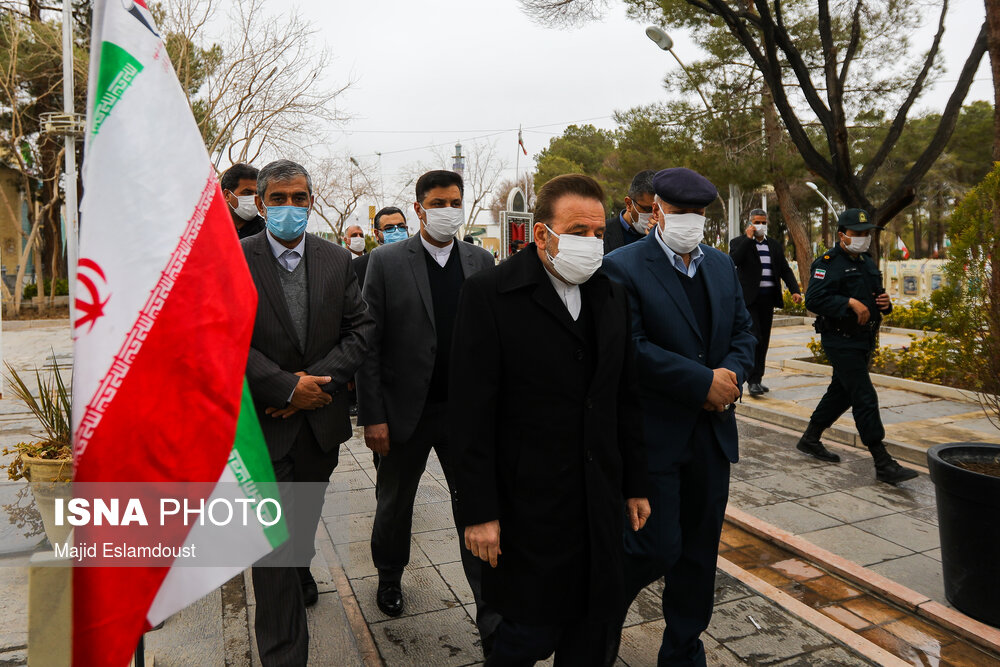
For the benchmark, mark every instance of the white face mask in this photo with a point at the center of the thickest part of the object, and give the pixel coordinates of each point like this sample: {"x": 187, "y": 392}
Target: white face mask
{"x": 443, "y": 223}
{"x": 760, "y": 230}
{"x": 357, "y": 243}
{"x": 642, "y": 224}
{"x": 682, "y": 232}
{"x": 578, "y": 258}
{"x": 246, "y": 207}
{"x": 858, "y": 244}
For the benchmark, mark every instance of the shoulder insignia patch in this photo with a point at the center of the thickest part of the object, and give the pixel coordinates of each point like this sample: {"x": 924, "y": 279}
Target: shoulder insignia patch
{"x": 819, "y": 273}
{"x": 826, "y": 257}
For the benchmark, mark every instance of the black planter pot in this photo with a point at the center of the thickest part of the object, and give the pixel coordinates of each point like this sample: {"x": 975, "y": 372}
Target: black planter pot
{"x": 968, "y": 505}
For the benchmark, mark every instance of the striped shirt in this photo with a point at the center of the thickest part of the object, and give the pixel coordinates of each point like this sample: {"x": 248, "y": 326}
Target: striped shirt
{"x": 766, "y": 276}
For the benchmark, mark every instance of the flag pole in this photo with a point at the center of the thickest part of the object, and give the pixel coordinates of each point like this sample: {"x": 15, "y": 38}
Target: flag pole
{"x": 72, "y": 207}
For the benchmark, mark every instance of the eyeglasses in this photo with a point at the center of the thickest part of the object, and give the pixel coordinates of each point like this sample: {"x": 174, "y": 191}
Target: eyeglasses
{"x": 392, "y": 228}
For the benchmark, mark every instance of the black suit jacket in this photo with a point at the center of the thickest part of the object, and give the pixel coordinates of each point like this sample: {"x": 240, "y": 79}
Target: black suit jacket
{"x": 550, "y": 458}
{"x": 743, "y": 250}
{"x": 336, "y": 341}
{"x": 360, "y": 266}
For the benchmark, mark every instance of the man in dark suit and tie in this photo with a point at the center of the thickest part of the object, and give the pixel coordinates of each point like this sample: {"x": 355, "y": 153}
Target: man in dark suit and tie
{"x": 412, "y": 289}
{"x": 310, "y": 335}
{"x": 632, "y": 222}
{"x": 694, "y": 348}
{"x": 547, "y": 429}
{"x": 761, "y": 264}
{"x": 390, "y": 227}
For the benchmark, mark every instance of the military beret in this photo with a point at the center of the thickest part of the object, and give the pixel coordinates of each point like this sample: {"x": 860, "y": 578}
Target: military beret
{"x": 684, "y": 188}
{"x": 856, "y": 220}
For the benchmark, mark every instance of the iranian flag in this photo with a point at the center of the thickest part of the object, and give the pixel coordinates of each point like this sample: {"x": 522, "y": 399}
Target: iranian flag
{"x": 164, "y": 315}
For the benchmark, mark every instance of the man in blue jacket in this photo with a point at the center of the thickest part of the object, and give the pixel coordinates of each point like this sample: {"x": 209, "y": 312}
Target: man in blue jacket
{"x": 694, "y": 348}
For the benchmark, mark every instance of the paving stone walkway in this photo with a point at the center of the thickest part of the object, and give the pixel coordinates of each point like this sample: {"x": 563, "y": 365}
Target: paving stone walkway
{"x": 917, "y": 419}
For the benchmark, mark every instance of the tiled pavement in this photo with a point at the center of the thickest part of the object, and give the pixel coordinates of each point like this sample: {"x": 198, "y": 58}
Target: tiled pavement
{"x": 917, "y": 419}
{"x": 437, "y": 626}
{"x": 841, "y": 507}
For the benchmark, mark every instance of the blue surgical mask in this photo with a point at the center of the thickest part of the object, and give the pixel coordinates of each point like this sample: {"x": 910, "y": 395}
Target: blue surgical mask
{"x": 394, "y": 235}
{"x": 287, "y": 222}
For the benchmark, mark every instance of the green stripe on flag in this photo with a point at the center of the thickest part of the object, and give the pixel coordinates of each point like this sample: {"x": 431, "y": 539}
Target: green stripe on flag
{"x": 250, "y": 462}
{"x": 117, "y": 72}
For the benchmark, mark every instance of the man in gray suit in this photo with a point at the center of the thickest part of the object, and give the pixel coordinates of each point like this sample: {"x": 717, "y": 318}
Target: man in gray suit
{"x": 310, "y": 336}
{"x": 411, "y": 289}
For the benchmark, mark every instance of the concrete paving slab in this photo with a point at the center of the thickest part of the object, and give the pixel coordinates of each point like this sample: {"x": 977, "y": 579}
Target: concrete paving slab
{"x": 746, "y": 495}
{"x": 901, "y": 498}
{"x": 838, "y": 476}
{"x": 445, "y": 637}
{"x": 904, "y": 530}
{"x": 856, "y": 545}
{"x": 647, "y": 606}
{"x": 781, "y": 636}
{"x": 794, "y": 517}
{"x": 920, "y": 410}
{"x": 750, "y": 468}
{"x": 423, "y": 591}
{"x": 432, "y": 516}
{"x": 917, "y": 571}
{"x": 192, "y": 636}
{"x": 454, "y": 576}
{"x": 791, "y": 487}
{"x": 13, "y": 603}
{"x": 356, "y": 558}
{"x": 331, "y": 641}
{"x": 828, "y": 656}
{"x": 356, "y": 501}
{"x": 347, "y": 528}
{"x": 845, "y": 507}
{"x": 440, "y": 546}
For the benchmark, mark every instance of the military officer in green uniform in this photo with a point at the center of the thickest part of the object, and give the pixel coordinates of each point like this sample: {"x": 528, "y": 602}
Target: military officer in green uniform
{"x": 845, "y": 291}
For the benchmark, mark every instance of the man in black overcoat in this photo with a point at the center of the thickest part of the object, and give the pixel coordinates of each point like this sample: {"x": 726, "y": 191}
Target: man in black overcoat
{"x": 545, "y": 419}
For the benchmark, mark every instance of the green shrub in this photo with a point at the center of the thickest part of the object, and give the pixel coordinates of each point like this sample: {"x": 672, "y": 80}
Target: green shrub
{"x": 30, "y": 291}
{"x": 789, "y": 307}
{"x": 917, "y": 314}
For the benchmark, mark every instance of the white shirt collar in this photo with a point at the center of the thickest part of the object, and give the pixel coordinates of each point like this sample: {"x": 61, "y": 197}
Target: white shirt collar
{"x": 440, "y": 255}
{"x": 277, "y": 249}
{"x": 677, "y": 261}
{"x": 568, "y": 294}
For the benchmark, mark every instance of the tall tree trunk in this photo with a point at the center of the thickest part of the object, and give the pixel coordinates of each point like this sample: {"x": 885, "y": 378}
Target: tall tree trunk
{"x": 993, "y": 45}
{"x": 789, "y": 211}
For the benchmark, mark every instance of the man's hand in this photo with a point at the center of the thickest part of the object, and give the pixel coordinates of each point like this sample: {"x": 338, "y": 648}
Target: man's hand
{"x": 861, "y": 310}
{"x": 797, "y": 298}
{"x": 483, "y": 540}
{"x": 883, "y": 302}
{"x": 638, "y": 512}
{"x": 750, "y": 231}
{"x": 377, "y": 438}
{"x": 723, "y": 391}
{"x": 308, "y": 395}
{"x": 282, "y": 413}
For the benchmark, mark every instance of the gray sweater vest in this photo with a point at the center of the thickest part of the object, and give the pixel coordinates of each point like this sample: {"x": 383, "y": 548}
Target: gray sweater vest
{"x": 296, "y": 289}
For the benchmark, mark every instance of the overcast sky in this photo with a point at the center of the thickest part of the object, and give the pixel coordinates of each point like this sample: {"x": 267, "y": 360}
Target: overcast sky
{"x": 431, "y": 74}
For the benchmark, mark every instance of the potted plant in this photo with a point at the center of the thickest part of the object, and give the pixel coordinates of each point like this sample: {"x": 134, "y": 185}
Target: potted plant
{"x": 47, "y": 461}
{"x": 966, "y": 475}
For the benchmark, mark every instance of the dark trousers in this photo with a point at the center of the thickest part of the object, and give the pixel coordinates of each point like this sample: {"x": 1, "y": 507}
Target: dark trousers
{"x": 396, "y": 488}
{"x": 852, "y": 388}
{"x": 762, "y": 314}
{"x": 280, "y": 616}
{"x": 576, "y": 644}
{"x": 680, "y": 543}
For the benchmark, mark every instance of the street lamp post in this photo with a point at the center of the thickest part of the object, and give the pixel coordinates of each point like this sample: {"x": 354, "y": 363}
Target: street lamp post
{"x": 659, "y": 37}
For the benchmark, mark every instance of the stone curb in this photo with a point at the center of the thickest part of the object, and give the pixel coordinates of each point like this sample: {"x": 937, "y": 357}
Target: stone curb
{"x": 825, "y": 625}
{"x": 888, "y": 381}
{"x": 976, "y": 632}
{"x": 836, "y": 433}
{"x": 359, "y": 626}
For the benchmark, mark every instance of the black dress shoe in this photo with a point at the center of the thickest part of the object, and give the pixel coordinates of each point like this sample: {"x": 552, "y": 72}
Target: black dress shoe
{"x": 390, "y": 598}
{"x": 893, "y": 473}
{"x": 755, "y": 389}
{"x": 765, "y": 388}
{"x": 310, "y": 594}
{"x": 815, "y": 448}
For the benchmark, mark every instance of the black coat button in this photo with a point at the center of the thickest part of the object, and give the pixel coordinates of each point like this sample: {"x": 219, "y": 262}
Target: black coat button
{"x": 579, "y": 355}
{"x": 590, "y": 457}
{"x": 589, "y": 404}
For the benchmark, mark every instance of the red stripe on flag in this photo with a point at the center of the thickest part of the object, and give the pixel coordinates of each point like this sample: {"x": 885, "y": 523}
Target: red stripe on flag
{"x": 171, "y": 418}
